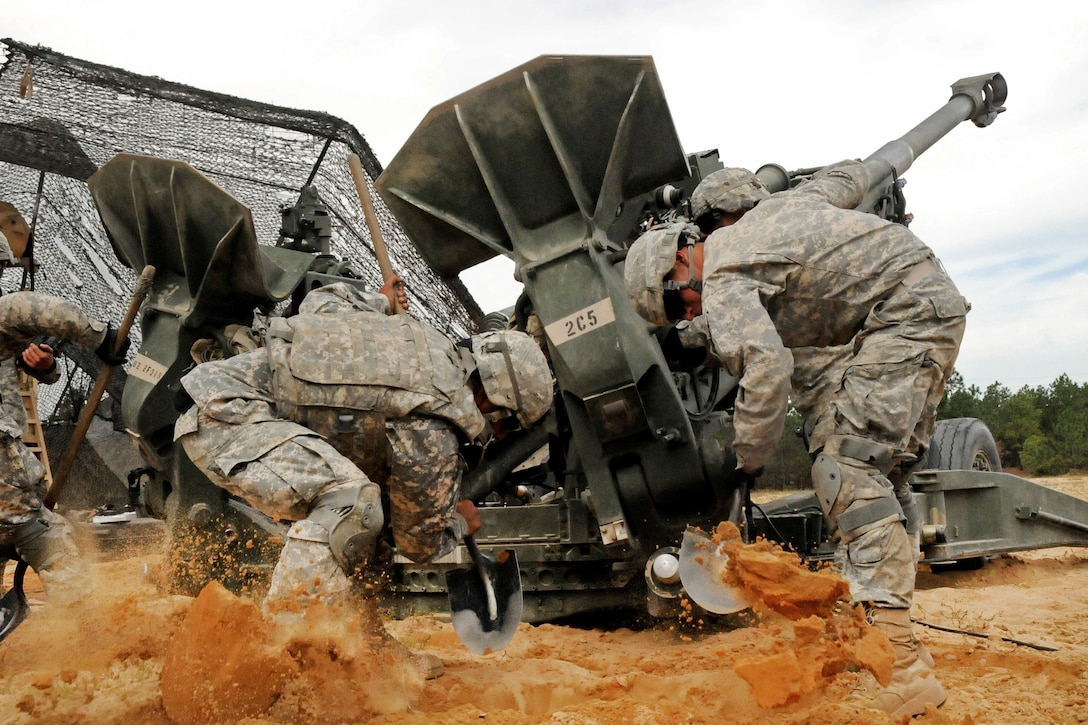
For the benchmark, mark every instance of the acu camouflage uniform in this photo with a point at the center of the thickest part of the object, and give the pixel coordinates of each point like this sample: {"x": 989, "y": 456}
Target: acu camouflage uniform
{"x": 859, "y": 315}
{"x": 28, "y": 530}
{"x": 342, "y": 353}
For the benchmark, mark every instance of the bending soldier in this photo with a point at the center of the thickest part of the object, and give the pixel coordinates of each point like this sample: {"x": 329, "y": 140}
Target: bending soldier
{"x": 29, "y": 530}
{"x": 347, "y": 401}
{"x": 859, "y": 316}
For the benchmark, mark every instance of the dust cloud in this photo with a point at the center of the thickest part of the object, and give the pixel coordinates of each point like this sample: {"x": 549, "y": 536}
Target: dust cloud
{"x": 131, "y": 654}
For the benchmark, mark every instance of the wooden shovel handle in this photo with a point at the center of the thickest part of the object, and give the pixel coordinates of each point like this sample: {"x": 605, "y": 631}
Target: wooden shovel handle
{"x": 371, "y": 216}
{"x": 86, "y": 416}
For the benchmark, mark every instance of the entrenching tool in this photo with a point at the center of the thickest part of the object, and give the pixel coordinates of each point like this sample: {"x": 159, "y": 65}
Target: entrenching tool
{"x": 702, "y": 566}
{"x": 13, "y": 606}
{"x": 485, "y": 601}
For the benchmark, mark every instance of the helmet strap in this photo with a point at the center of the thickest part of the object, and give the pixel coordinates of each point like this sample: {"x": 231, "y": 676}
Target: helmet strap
{"x": 690, "y": 283}
{"x": 464, "y": 348}
{"x": 468, "y": 361}
{"x": 510, "y": 372}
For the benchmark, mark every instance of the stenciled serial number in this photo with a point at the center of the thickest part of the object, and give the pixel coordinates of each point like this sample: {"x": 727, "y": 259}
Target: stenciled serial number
{"x": 147, "y": 369}
{"x": 579, "y": 323}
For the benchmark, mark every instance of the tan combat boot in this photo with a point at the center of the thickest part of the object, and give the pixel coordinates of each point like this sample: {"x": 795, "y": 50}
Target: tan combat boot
{"x": 914, "y": 683}
{"x": 428, "y": 665}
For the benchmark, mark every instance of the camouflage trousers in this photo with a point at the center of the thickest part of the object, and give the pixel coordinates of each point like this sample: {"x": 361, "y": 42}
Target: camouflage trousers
{"x": 33, "y": 533}
{"x": 883, "y": 390}
{"x": 21, "y": 490}
{"x": 46, "y": 543}
{"x": 284, "y": 482}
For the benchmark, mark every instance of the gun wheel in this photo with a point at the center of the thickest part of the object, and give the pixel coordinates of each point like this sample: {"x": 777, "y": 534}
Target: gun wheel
{"x": 962, "y": 444}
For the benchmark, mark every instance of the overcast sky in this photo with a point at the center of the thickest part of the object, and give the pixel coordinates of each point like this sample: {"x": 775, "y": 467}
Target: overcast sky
{"x": 790, "y": 82}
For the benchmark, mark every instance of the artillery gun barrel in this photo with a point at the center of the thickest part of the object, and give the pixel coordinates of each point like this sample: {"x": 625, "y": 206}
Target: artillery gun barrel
{"x": 978, "y": 98}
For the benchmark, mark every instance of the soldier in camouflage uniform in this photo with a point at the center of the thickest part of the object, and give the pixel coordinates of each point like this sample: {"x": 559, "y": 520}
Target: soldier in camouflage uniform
{"x": 14, "y": 233}
{"x": 859, "y": 316}
{"x": 28, "y": 530}
{"x": 347, "y": 401}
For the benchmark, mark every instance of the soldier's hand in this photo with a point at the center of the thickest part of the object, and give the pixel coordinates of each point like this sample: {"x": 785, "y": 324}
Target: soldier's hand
{"x": 733, "y": 475}
{"x": 472, "y": 516}
{"x": 394, "y": 291}
{"x": 105, "y": 350}
{"x": 39, "y": 357}
{"x": 677, "y": 355}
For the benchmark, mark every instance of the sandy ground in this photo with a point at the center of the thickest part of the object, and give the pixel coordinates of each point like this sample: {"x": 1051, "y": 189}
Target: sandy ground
{"x": 133, "y": 655}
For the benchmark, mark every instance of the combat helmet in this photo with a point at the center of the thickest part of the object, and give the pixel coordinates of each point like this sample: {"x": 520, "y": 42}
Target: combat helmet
{"x": 727, "y": 191}
{"x": 650, "y": 258}
{"x": 513, "y": 370}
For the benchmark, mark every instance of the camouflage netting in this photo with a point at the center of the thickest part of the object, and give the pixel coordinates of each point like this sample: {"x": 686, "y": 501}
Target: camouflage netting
{"x": 61, "y": 118}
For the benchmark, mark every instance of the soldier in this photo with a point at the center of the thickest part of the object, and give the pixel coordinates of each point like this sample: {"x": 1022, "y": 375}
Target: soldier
{"x": 860, "y": 316}
{"x": 29, "y": 530}
{"x": 14, "y": 233}
{"x": 344, "y": 403}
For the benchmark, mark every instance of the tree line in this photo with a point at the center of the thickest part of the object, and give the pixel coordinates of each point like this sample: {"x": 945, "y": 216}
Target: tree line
{"x": 1042, "y": 430}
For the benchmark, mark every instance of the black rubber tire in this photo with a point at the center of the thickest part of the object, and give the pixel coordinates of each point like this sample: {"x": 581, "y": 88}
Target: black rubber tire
{"x": 961, "y": 444}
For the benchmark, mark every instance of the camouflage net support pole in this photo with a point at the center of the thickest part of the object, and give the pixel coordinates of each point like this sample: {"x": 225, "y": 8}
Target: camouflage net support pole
{"x": 86, "y": 416}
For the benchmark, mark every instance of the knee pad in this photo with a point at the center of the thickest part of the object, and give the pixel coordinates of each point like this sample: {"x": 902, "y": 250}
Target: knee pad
{"x": 47, "y": 545}
{"x": 852, "y": 517}
{"x": 354, "y": 519}
{"x": 826, "y": 481}
{"x": 29, "y": 532}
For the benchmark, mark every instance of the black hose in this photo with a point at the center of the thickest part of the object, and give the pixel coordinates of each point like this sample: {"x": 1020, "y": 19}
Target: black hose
{"x": 493, "y": 471}
{"x": 980, "y": 635}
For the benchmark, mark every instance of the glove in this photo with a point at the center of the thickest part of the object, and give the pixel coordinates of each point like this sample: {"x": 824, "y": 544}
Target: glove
{"x": 679, "y": 356}
{"x": 734, "y": 476}
{"x": 105, "y": 350}
{"x": 182, "y": 400}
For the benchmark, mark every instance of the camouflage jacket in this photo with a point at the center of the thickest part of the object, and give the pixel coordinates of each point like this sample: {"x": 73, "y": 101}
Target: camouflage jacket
{"x": 25, "y": 316}
{"x": 247, "y": 391}
{"x": 350, "y": 355}
{"x": 12, "y": 412}
{"x": 802, "y": 269}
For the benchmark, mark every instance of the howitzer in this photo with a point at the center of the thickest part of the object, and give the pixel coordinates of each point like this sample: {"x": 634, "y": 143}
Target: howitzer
{"x": 558, "y": 164}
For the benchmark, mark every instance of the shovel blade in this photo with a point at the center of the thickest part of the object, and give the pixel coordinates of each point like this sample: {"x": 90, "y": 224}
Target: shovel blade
{"x": 13, "y": 605}
{"x": 702, "y": 566}
{"x": 486, "y": 600}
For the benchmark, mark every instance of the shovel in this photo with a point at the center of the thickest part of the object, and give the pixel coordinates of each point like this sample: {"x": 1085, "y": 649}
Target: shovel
{"x": 702, "y": 565}
{"x": 485, "y": 601}
{"x": 13, "y": 606}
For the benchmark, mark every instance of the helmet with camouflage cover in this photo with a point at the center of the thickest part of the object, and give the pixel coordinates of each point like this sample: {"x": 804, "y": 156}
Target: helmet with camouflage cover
{"x": 514, "y": 372}
{"x": 728, "y": 191}
{"x": 650, "y": 258}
